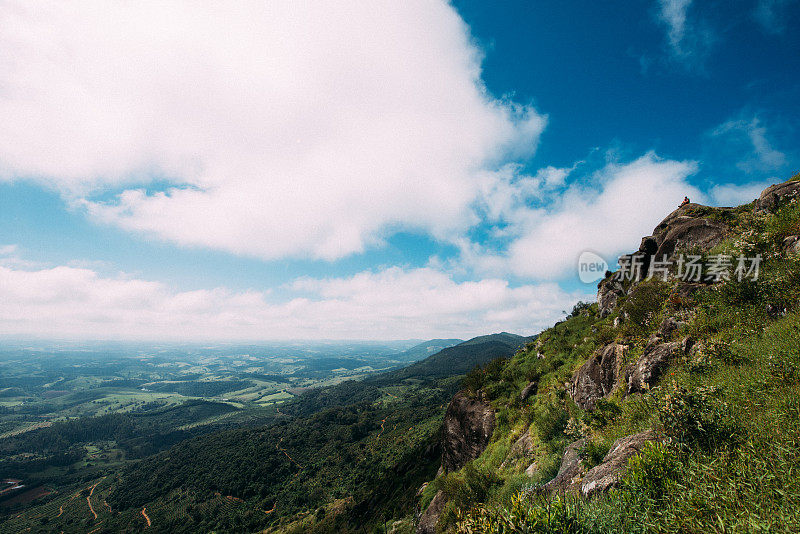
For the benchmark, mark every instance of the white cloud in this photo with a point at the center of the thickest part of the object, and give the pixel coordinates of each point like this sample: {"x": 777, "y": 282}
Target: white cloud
{"x": 763, "y": 157}
{"x": 689, "y": 41}
{"x": 673, "y": 14}
{"x": 607, "y": 214}
{"x": 8, "y": 250}
{"x": 554, "y": 176}
{"x": 391, "y": 304}
{"x": 279, "y": 128}
{"x": 738, "y": 194}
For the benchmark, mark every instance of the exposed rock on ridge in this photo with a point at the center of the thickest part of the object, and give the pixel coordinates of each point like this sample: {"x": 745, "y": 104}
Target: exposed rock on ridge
{"x": 598, "y": 376}
{"x": 772, "y": 197}
{"x": 468, "y": 426}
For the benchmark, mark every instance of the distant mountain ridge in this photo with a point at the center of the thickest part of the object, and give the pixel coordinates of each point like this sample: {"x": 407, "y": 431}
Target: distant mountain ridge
{"x": 425, "y": 349}
{"x": 461, "y": 358}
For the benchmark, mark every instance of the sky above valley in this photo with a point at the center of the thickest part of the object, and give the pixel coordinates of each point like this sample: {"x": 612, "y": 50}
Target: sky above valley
{"x": 248, "y": 171}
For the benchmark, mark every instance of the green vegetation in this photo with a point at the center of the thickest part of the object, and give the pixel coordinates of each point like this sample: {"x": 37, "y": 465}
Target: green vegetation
{"x": 727, "y": 414}
{"x": 227, "y": 444}
{"x": 236, "y": 446}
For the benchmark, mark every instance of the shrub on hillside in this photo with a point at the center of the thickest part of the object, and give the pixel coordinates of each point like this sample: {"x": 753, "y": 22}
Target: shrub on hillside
{"x": 643, "y": 305}
{"x": 697, "y": 417}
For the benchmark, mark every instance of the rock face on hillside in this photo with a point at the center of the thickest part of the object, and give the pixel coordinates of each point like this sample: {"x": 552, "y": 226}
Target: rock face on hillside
{"x": 428, "y": 520}
{"x": 654, "y": 361}
{"x": 528, "y": 390}
{"x": 598, "y": 376}
{"x": 570, "y": 469}
{"x": 573, "y": 477}
{"x": 683, "y": 229}
{"x": 521, "y": 448}
{"x": 605, "y": 476}
{"x": 468, "y": 426}
{"x": 772, "y": 197}
{"x": 609, "y": 291}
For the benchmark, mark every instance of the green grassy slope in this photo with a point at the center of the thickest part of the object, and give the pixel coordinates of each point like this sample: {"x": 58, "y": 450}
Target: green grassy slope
{"x": 728, "y": 414}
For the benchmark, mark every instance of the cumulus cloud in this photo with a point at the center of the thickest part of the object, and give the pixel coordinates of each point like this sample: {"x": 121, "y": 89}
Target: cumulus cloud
{"x": 67, "y": 302}
{"x": 267, "y": 129}
{"x": 607, "y": 214}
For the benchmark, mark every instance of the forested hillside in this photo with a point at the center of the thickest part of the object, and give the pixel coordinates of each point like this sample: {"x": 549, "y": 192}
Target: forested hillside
{"x": 334, "y": 459}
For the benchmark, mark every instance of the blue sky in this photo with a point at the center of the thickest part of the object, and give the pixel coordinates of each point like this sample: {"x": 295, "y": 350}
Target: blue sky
{"x": 380, "y": 171}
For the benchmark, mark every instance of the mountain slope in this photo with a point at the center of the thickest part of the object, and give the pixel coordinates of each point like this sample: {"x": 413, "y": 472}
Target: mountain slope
{"x": 672, "y": 404}
{"x": 351, "y": 453}
{"x": 425, "y": 349}
{"x": 463, "y": 357}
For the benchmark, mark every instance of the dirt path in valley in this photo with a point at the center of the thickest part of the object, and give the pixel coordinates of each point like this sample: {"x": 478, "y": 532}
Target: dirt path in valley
{"x": 278, "y": 446}
{"x": 146, "y": 517}
{"x": 89, "y": 499}
{"x": 383, "y": 421}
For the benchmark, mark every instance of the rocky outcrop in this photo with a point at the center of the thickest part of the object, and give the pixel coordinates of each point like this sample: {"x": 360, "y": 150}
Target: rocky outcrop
{"x": 521, "y": 448}
{"x": 609, "y": 291}
{"x": 657, "y": 356}
{"x": 573, "y": 477}
{"x": 668, "y": 328}
{"x": 598, "y": 376}
{"x": 570, "y": 469}
{"x": 605, "y": 476}
{"x": 429, "y": 518}
{"x": 684, "y": 229}
{"x": 776, "y": 195}
{"x": 791, "y": 245}
{"x": 532, "y": 469}
{"x": 468, "y": 426}
{"x": 528, "y": 390}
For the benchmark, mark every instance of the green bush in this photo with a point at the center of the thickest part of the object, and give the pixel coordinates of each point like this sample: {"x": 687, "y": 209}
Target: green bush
{"x": 557, "y": 515}
{"x": 643, "y": 306}
{"x": 592, "y": 453}
{"x": 697, "y": 417}
{"x": 652, "y": 473}
{"x": 550, "y": 419}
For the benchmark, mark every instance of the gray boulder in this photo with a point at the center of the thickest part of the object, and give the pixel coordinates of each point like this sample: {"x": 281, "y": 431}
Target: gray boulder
{"x": 528, "y": 390}
{"x": 570, "y": 469}
{"x": 521, "y": 448}
{"x": 791, "y": 245}
{"x": 609, "y": 291}
{"x": 468, "y": 426}
{"x": 669, "y": 327}
{"x": 686, "y": 228}
{"x": 652, "y": 364}
{"x": 605, "y": 476}
{"x": 430, "y": 517}
{"x": 598, "y": 377}
{"x": 772, "y": 197}
{"x": 573, "y": 477}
